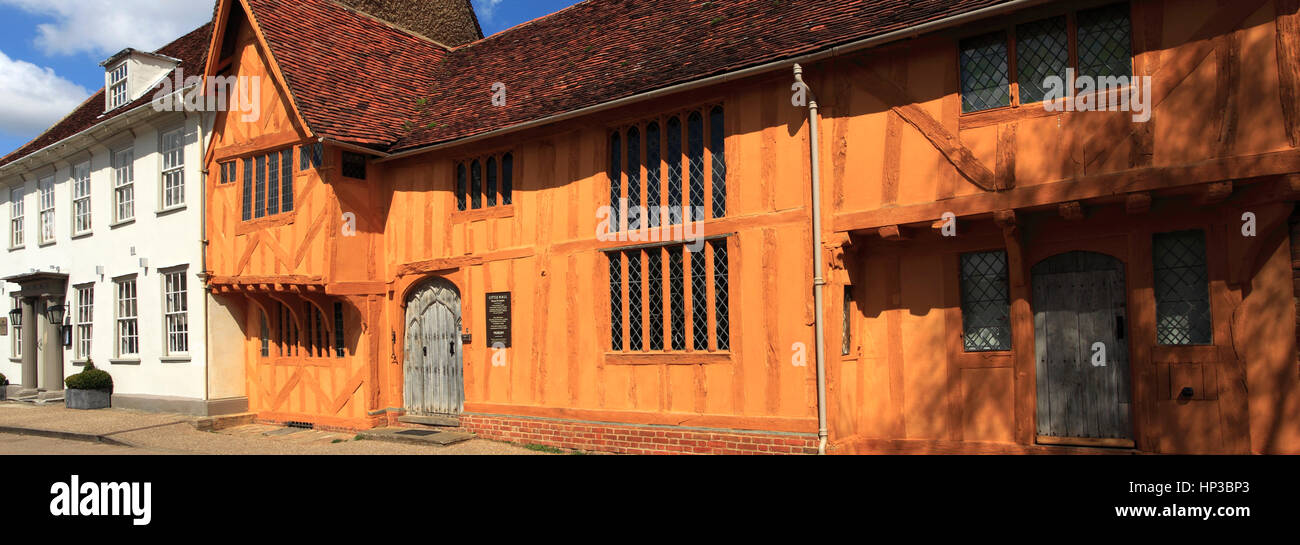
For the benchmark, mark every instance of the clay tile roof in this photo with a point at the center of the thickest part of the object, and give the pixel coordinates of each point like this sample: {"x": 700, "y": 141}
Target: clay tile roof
{"x": 353, "y": 77}
{"x": 191, "y": 50}
{"x": 603, "y": 50}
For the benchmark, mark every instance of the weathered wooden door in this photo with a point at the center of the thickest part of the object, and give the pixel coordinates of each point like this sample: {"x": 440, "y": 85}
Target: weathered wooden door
{"x": 1082, "y": 350}
{"x": 434, "y": 383}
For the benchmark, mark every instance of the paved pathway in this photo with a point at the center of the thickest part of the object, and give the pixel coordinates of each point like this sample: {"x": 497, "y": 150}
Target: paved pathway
{"x": 173, "y": 434}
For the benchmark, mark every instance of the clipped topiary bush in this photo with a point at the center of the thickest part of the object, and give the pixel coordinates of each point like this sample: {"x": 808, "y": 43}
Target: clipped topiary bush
{"x": 90, "y": 379}
{"x": 4, "y": 381}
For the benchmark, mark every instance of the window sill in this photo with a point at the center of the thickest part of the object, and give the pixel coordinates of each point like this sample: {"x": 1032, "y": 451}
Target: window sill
{"x": 122, "y": 223}
{"x": 168, "y": 211}
{"x": 1033, "y": 110}
{"x": 126, "y": 361}
{"x": 667, "y": 358}
{"x": 16, "y": 360}
{"x": 86, "y": 234}
{"x": 481, "y": 214}
{"x": 16, "y": 248}
{"x": 176, "y": 359}
{"x": 80, "y": 363}
{"x": 46, "y": 244}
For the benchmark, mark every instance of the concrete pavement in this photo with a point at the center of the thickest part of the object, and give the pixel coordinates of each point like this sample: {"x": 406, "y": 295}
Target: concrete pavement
{"x": 153, "y": 433}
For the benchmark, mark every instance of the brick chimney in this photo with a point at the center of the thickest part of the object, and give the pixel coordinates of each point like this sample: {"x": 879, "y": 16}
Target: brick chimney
{"x": 448, "y": 22}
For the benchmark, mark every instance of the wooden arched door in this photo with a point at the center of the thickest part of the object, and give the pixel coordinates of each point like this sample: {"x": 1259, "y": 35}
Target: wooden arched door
{"x": 434, "y": 381}
{"x": 1081, "y": 348}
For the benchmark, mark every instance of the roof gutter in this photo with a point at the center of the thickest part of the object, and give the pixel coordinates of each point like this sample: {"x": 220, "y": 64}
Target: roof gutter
{"x": 783, "y": 64}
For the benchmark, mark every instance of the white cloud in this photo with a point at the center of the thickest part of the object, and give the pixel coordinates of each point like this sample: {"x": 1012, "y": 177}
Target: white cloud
{"x": 103, "y": 27}
{"x": 486, "y": 9}
{"x": 33, "y": 97}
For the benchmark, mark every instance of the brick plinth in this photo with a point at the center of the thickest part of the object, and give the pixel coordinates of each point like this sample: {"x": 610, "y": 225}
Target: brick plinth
{"x": 634, "y": 439}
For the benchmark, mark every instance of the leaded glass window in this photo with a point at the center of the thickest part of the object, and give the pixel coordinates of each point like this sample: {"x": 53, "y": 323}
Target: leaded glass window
{"x": 638, "y": 283}
{"x": 695, "y": 161}
{"x": 985, "y": 302}
{"x": 460, "y": 187}
{"x": 633, "y": 170}
{"x": 1182, "y": 289}
{"x": 508, "y": 179}
{"x": 985, "y": 81}
{"x": 722, "y": 294}
{"x": 1105, "y": 42}
{"x": 1042, "y": 50}
{"x": 653, "y": 170}
{"x": 615, "y": 180}
{"x": 718, "y": 151}
{"x": 674, "y": 159}
{"x": 476, "y": 185}
{"x": 492, "y": 181}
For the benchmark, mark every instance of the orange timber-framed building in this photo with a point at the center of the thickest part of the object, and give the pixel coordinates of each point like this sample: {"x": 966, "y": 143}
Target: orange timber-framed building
{"x": 399, "y": 239}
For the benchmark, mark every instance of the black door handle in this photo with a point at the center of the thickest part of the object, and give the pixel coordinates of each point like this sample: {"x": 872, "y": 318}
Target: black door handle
{"x": 1119, "y": 327}
{"x": 451, "y": 348}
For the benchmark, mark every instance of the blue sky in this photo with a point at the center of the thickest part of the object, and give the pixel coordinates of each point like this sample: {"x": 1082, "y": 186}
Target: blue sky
{"x": 50, "y": 49}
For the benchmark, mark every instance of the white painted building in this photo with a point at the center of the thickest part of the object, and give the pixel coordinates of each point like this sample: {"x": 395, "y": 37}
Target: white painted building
{"x": 104, "y": 216}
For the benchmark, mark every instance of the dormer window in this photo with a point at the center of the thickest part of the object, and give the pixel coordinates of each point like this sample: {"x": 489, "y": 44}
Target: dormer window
{"x": 117, "y": 92}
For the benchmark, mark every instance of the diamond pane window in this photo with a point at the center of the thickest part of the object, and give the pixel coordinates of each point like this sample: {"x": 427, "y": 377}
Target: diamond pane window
{"x": 492, "y": 181}
{"x": 985, "y": 302}
{"x": 655, "y": 289}
{"x": 652, "y": 172}
{"x": 700, "y": 299}
{"x": 460, "y": 187}
{"x": 985, "y": 82}
{"x": 508, "y": 179}
{"x": 635, "y": 333}
{"x": 354, "y": 165}
{"x": 476, "y": 185}
{"x": 677, "y": 297}
{"x": 615, "y": 180}
{"x": 846, "y": 323}
{"x": 695, "y": 156}
{"x": 633, "y": 177}
{"x": 717, "y": 149}
{"x": 248, "y": 189}
{"x": 616, "y": 301}
{"x": 286, "y": 180}
{"x": 1105, "y": 42}
{"x": 273, "y": 184}
{"x": 1042, "y": 50}
{"x": 259, "y": 205}
{"x": 721, "y": 291}
{"x": 1182, "y": 289}
{"x": 674, "y": 158}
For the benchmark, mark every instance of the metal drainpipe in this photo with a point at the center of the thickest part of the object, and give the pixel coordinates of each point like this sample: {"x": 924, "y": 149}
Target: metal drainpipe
{"x": 203, "y": 261}
{"x": 819, "y": 282}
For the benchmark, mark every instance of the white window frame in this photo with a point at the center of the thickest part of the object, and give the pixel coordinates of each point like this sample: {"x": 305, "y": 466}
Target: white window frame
{"x": 83, "y": 317}
{"x": 176, "y": 329}
{"x": 172, "y": 183}
{"x": 45, "y": 206}
{"x": 117, "y": 86}
{"x": 123, "y": 185}
{"x": 81, "y": 201}
{"x": 17, "y": 236}
{"x": 126, "y": 318}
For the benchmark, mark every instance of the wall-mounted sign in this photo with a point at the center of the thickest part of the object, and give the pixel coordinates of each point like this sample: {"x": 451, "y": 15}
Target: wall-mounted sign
{"x": 4, "y": 327}
{"x": 67, "y": 336}
{"x": 498, "y": 319}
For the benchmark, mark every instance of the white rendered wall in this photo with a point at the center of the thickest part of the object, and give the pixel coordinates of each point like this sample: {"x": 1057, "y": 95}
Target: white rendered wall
{"x": 166, "y": 239}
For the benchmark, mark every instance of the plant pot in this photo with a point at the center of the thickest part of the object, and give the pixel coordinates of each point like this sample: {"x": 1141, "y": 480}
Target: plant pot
{"x": 4, "y": 392}
{"x": 88, "y": 399}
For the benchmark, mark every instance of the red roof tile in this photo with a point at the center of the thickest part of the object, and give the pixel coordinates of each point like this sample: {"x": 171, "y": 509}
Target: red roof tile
{"x": 357, "y": 79}
{"x": 191, "y": 50}
{"x": 603, "y": 50}
{"x": 353, "y": 77}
